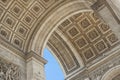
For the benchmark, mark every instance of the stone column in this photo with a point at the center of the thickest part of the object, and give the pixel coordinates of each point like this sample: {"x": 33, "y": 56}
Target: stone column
{"x": 35, "y": 67}
{"x": 106, "y": 12}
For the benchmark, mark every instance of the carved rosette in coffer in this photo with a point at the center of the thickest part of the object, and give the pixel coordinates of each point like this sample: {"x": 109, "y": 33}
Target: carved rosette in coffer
{"x": 9, "y": 71}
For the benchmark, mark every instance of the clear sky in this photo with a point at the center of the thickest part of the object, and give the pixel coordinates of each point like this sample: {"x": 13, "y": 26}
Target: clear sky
{"x": 52, "y": 68}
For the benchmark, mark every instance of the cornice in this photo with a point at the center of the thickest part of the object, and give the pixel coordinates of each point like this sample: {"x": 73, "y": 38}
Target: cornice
{"x": 32, "y": 54}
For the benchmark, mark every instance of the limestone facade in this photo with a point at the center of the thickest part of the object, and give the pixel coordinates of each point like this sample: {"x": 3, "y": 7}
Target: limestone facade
{"x": 83, "y": 35}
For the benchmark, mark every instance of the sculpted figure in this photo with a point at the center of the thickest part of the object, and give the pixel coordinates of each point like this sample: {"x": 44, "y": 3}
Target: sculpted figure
{"x": 9, "y": 72}
{"x": 15, "y": 74}
{"x": 2, "y": 75}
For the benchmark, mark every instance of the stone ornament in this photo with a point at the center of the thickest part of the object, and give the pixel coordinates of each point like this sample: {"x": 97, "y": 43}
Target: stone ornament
{"x": 9, "y": 71}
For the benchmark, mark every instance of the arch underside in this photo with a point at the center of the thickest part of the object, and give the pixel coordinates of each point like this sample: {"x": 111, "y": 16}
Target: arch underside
{"x": 82, "y": 40}
{"x": 72, "y": 31}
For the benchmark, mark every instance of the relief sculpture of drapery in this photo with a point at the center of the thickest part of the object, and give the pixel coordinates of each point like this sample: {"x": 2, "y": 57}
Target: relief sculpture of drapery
{"x": 9, "y": 71}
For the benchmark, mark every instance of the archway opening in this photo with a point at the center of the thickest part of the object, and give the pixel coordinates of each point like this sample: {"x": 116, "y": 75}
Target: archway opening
{"x": 53, "y": 70}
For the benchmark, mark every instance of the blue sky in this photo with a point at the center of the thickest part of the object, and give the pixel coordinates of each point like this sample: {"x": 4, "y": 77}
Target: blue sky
{"x": 52, "y": 68}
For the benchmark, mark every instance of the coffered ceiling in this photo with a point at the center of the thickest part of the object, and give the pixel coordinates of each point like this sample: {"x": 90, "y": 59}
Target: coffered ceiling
{"x": 18, "y": 19}
{"x": 89, "y": 35}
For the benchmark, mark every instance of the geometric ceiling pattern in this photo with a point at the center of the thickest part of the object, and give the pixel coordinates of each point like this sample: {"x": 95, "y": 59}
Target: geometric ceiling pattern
{"x": 90, "y": 36}
{"x": 18, "y": 19}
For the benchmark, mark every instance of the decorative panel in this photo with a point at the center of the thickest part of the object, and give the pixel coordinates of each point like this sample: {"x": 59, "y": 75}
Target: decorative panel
{"x": 9, "y": 21}
{"x": 5, "y": 33}
{"x": 104, "y": 28}
{"x": 9, "y": 71}
{"x": 18, "y": 42}
{"x": 81, "y": 42}
{"x": 101, "y": 46}
{"x": 22, "y": 30}
{"x": 37, "y": 9}
{"x": 28, "y": 19}
{"x": 93, "y": 34}
{"x": 73, "y": 31}
{"x": 85, "y": 23}
{"x": 88, "y": 54}
{"x": 112, "y": 39}
{"x": 17, "y": 9}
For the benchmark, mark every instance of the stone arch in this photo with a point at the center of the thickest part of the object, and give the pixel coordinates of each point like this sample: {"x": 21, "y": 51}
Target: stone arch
{"x": 45, "y": 31}
{"x": 73, "y": 52}
{"x": 109, "y": 75}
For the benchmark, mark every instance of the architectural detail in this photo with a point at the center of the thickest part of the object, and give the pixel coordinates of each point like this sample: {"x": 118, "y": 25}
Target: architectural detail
{"x": 89, "y": 35}
{"x": 84, "y": 36}
{"x": 96, "y": 73}
{"x": 58, "y": 46}
{"x": 21, "y": 18}
{"x": 35, "y": 66}
{"x": 9, "y": 71}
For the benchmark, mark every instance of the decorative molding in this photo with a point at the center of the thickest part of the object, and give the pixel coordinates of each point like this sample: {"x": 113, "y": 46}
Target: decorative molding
{"x": 32, "y": 54}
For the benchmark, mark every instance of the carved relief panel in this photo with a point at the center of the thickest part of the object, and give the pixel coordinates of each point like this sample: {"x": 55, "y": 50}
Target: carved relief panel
{"x": 9, "y": 71}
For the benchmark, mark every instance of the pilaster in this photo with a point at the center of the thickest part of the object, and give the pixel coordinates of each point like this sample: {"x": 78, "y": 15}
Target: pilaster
{"x": 35, "y": 67}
